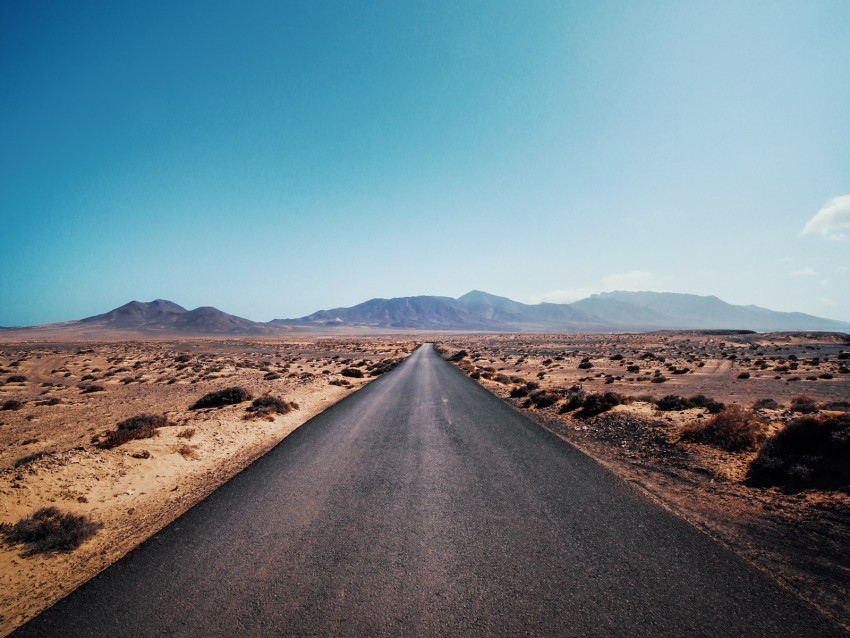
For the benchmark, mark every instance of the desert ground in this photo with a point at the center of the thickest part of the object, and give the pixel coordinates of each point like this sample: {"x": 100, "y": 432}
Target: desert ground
{"x": 798, "y": 533}
{"x": 61, "y": 406}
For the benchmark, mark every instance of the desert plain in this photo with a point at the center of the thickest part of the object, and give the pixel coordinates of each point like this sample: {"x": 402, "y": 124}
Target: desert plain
{"x": 61, "y": 401}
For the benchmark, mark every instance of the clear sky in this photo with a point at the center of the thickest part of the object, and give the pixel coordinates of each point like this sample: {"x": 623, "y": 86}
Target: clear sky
{"x": 272, "y": 159}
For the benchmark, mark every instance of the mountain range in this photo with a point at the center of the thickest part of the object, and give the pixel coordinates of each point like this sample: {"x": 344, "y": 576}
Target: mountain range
{"x": 475, "y": 311}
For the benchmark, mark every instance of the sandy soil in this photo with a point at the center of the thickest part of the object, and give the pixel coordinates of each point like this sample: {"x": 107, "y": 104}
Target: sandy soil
{"x": 48, "y": 456}
{"x": 801, "y": 539}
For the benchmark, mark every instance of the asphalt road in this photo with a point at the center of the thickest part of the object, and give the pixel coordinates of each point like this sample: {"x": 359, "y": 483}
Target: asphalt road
{"x": 422, "y": 505}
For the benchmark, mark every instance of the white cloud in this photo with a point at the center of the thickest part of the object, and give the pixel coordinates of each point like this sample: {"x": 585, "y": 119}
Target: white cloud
{"x": 808, "y": 271}
{"x": 832, "y": 220}
{"x": 842, "y": 270}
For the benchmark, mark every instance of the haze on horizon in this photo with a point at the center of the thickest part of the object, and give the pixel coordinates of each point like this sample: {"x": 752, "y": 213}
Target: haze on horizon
{"x": 276, "y": 158}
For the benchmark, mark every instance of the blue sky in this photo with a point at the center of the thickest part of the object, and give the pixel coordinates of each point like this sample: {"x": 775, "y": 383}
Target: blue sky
{"x": 272, "y": 159}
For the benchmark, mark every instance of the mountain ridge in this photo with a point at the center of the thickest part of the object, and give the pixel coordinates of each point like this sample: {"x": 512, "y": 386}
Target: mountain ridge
{"x": 476, "y": 311}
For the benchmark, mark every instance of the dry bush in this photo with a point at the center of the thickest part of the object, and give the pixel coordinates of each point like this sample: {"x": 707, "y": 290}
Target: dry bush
{"x": 12, "y": 404}
{"x": 227, "y": 396}
{"x": 89, "y": 388}
{"x": 809, "y": 452}
{"x": 50, "y": 530}
{"x": 268, "y": 404}
{"x": 575, "y": 398}
{"x": 188, "y": 433}
{"x": 702, "y": 401}
{"x": 673, "y": 403}
{"x": 16, "y": 378}
{"x": 804, "y": 405}
{"x": 734, "y": 429}
{"x": 765, "y": 404}
{"x": 30, "y": 458}
{"x": 142, "y": 426}
{"x": 354, "y": 373}
{"x": 594, "y": 404}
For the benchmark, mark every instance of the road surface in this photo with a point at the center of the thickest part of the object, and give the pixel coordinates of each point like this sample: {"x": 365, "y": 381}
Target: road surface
{"x": 422, "y": 505}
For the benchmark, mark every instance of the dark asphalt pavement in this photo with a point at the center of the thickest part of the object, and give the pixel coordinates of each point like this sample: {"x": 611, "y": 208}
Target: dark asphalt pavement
{"x": 424, "y": 506}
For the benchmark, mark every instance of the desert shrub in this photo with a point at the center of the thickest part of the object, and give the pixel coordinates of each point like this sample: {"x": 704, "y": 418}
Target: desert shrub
{"x": 804, "y": 405}
{"x": 765, "y": 404}
{"x": 838, "y": 406}
{"x": 30, "y": 458}
{"x": 518, "y": 391}
{"x": 385, "y": 365}
{"x": 89, "y": 388}
{"x": 143, "y": 422}
{"x": 340, "y": 382}
{"x": 501, "y": 378}
{"x": 585, "y": 364}
{"x": 810, "y": 451}
{"x": 574, "y": 399}
{"x": 142, "y": 426}
{"x": 50, "y": 530}
{"x": 540, "y": 399}
{"x": 457, "y": 356}
{"x": 594, "y": 404}
{"x": 633, "y": 368}
{"x": 16, "y": 378}
{"x": 734, "y": 429}
{"x": 12, "y": 404}
{"x": 673, "y": 403}
{"x": 702, "y": 401}
{"x": 115, "y": 438}
{"x": 271, "y": 376}
{"x": 744, "y": 375}
{"x": 188, "y": 433}
{"x": 227, "y": 396}
{"x": 267, "y": 404}
{"x": 183, "y": 358}
{"x": 354, "y": 373}
{"x": 616, "y": 357}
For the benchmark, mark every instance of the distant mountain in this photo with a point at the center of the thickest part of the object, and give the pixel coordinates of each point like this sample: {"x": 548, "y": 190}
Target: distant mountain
{"x": 475, "y": 311}
{"x": 166, "y": 317}
{"x": 138, "y": 314}
{"x": 605, "y": 312}
{"x": 675, "y": 310}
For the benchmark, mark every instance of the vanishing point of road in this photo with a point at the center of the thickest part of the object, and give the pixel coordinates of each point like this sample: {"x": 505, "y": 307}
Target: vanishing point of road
{"x": 422, "y": 505}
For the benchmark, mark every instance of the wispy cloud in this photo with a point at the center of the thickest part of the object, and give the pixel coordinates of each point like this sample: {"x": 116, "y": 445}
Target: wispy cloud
{"x": 832, "y": 220}
{"x": 808, "y": 271}
{"x": 842, "y": 270}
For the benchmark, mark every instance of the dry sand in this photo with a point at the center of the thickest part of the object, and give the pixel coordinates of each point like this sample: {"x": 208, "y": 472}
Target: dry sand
{"x": 48, "y": 458}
